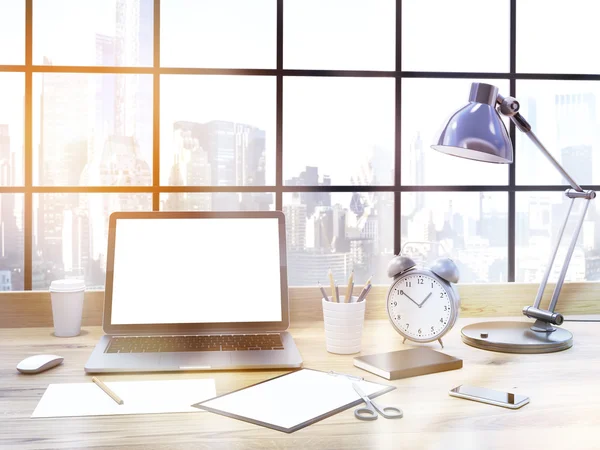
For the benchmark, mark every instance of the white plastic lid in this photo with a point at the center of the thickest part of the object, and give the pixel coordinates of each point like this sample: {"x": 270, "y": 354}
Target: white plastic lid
{"x": 68, "y": 285}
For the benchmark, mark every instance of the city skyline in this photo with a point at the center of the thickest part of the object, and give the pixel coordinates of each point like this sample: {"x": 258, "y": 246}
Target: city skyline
{"x": 96, "y": 129}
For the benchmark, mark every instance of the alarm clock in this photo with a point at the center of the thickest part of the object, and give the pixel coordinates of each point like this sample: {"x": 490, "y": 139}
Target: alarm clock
{"x": 422, "y": 303}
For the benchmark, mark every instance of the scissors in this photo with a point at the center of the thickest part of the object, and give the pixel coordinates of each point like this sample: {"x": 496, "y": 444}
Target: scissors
{"x": 369, "y": 412}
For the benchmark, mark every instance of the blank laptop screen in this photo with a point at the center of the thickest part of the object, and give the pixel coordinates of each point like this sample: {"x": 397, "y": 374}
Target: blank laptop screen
{"x": 196, "y": 270}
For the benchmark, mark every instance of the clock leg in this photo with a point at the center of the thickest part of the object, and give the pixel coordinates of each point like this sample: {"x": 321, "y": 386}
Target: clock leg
{"x": 441, "y": 343}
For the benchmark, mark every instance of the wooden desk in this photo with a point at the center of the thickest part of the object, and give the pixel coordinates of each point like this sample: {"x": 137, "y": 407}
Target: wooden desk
{"x": 564, "y": 389}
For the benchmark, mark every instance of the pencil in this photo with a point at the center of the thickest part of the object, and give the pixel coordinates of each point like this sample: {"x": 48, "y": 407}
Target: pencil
{"x": 349, "y": 288}
{"x": 333, "y": 298}
{"x": 363, "y": 293}
{"x": 323, "y": 292}
{"x": 106, "y": 389}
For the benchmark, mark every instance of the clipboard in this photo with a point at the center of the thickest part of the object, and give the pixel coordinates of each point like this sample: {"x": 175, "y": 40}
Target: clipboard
{"x": 292, "y": 401}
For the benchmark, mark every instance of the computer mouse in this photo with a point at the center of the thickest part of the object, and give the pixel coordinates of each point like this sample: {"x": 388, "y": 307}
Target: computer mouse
{"x": 39, "y": 363}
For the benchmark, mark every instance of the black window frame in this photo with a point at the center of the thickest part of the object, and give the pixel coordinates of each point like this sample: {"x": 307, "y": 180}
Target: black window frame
{"x": 28, "y": 189}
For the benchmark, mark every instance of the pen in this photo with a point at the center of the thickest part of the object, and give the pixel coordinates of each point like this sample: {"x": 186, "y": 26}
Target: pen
{"x": 363, "y": 294}
{"x": 323, "y": 292}
{"x": 333, "y": 299}
{"x": 349, "y": 288}
{"x": 106, "y": 389}
{"x": 337, "y": 294}
{"x": 364, "y": 288}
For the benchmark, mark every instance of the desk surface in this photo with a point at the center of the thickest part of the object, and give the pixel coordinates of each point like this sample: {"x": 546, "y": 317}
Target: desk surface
{"x": 564, "y": 389}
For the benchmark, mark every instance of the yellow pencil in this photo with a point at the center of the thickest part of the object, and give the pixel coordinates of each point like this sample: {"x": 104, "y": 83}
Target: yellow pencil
{"x": 106, "y": 389}
{"x": 349, "y": 288}
{"x": 333, "y": 297}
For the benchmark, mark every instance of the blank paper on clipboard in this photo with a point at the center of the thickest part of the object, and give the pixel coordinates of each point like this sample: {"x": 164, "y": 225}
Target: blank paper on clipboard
{"x": 293, "y": 401}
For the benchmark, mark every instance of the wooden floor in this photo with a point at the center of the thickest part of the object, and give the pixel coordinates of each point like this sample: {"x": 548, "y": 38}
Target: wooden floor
{"x": 564, "y": 411}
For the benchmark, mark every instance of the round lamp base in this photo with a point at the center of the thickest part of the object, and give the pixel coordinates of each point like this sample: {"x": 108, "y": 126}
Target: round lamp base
{"x": 515, "y": 337}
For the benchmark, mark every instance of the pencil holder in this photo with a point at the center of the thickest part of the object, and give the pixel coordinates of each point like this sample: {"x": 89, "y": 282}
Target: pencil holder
{"x": 343, "y": 326}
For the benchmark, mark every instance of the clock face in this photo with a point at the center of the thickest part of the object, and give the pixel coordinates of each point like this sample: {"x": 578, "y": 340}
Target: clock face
{"x": 420, "y": 307}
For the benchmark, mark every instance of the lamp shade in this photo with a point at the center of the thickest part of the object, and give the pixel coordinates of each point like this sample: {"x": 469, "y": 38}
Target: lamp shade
{"x": 476, "y": 131}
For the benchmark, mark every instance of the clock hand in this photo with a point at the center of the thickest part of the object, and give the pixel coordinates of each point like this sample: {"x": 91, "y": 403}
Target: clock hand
{"x": 426, "y": 298}
{"x": 404, "y": 293}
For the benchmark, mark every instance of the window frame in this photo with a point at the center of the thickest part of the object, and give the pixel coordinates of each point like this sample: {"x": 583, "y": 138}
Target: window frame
{"x": 28, "y": 189}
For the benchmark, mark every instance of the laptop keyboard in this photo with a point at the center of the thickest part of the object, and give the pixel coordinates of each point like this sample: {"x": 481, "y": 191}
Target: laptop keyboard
{"x": 211, "y": 343}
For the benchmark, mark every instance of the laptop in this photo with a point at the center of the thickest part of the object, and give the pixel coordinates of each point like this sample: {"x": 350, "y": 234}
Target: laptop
{"x": 195, "y": 291}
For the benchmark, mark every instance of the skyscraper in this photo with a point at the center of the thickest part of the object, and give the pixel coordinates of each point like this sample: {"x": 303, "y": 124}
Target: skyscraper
{"x": 221, "y": 153}
{"x": 133, "y": 45}
{"x": 11, "y": 239}
{"x": 310, "y": 177}
{"x": 106, "y": 93}
{"x": 578, "y": 162}
{"x": 295, "y": 226}
{"x": 7, "y": 169}
{"x": 416, "y": 175}
{"x": 576, "y": 133}
{"x": 62, "y": 157}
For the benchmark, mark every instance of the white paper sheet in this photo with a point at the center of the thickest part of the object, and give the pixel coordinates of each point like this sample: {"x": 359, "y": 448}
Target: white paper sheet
{"x": 291, "y": 400}
{"x": 139, "y": 397}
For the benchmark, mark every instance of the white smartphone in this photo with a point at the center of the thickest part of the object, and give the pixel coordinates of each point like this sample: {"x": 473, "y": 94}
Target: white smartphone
{"x": 483, "y": 395}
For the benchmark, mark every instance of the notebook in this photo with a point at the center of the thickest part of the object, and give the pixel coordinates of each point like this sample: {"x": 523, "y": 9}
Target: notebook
{"x": 407, "y": 363}
{"x": 139, "y": 397}
{"x": 290, "y": 402}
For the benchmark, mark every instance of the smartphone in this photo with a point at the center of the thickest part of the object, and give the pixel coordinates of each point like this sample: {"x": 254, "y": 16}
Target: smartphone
{"x": 483, "y": 395}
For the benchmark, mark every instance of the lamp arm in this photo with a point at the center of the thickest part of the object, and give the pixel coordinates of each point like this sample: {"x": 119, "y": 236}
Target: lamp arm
{"x": 508, "y": 106}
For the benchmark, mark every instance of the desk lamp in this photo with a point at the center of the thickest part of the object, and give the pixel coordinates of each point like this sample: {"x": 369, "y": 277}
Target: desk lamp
{"x": 477, "y": 132}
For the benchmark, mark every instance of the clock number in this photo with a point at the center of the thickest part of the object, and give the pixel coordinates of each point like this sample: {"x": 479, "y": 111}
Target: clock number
{"x": 395, "y": 303}
{"x": 420, "y": 281}
{"x": 441, "y": 295}
{"x": 419, "y": 331}
{"x": 442, "y": 320}
{"x": 432, "y": 328}
{"x": 445, "y": 308}
{"x": 407, "y": 325}
{"x": 432, "y": 285}
{"x": 408, "y": 283}
{"x": 399, "y": 317}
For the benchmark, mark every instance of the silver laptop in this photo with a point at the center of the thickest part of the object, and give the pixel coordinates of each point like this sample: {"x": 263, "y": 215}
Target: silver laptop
{"x": 195, "y": 291}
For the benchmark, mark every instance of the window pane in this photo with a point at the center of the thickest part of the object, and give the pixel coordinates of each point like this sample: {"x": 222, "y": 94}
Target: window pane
{"x": 341, "y": 231}
{"x": 217, "y": 130}
{"x": 339, "y": 34}
{"x": 218, "y": 201}
{"x": 539, "y": 218}
{"x": 554, "y": 36}
{"x": 12, "y": 118}
{"x": 92, "y": 129}
{"x": 344, "y": 127}
{"x": 93, "y": 32}
{"x": 456, "y": 36}
{"x": 563, "y": 115}
{"x": 219, "y": 33}
{"x": 12, "y": 32}
{"x": 71, "y": 234}
{"x": 427, "y": 104}
{"x": 11, "y": 242}
{"x": 471, "y": 226}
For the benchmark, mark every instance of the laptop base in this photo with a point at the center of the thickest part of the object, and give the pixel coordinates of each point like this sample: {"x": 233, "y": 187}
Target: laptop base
{"x": 102, "y": 362}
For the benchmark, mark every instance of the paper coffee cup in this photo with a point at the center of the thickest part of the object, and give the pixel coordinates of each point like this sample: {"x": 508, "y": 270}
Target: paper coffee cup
{"x": 67, "y": 306}
{"x": 343, "y": 326}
